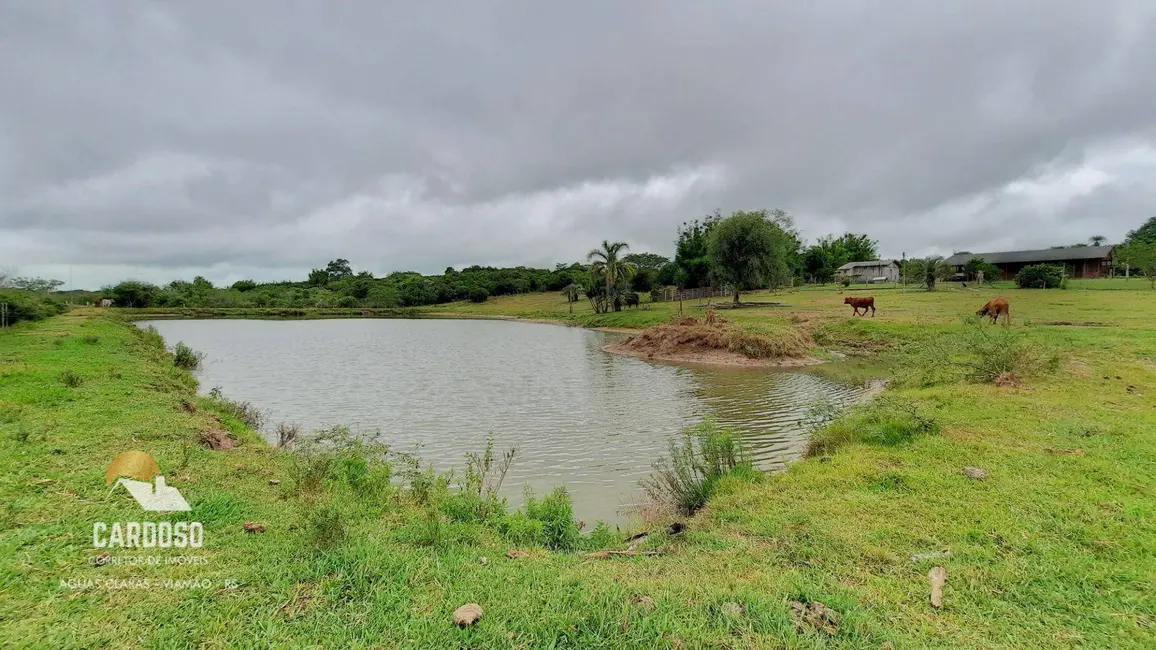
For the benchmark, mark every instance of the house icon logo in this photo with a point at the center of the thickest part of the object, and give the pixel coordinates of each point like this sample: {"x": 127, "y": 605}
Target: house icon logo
{"x": 139, "y": 473}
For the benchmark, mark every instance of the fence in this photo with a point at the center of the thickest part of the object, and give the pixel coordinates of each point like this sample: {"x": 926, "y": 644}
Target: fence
{"x": 668, "y": 294}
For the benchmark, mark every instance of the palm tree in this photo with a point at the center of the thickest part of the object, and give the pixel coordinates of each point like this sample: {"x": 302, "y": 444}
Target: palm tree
{"x": 605, "y": 262}
{"x": 571, "y": 292}
{"x": 927, "y": 270}
{"x": 1097, "y": 240}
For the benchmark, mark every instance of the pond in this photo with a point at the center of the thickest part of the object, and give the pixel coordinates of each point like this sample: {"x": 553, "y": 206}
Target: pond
{"x": 576, "y": 415}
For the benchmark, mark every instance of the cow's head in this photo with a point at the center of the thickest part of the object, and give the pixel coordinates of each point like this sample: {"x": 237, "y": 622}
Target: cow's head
{"x": 847, "y": 300}
{"x": 982, "y": 311}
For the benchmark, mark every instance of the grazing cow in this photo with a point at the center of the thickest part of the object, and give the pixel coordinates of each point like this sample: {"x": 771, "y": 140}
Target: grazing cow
{"x": 106, "y": 303}
{"x": 632, "y": 299}
{"x": 994, "y": 309}
{"x": 861, "y": 303}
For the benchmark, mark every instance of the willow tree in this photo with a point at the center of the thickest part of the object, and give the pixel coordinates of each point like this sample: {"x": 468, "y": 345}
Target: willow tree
{"x": 748, "y": 250}
{"x": 607, "y": 263}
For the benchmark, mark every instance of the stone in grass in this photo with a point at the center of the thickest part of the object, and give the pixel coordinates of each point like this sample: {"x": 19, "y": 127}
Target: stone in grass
{"x": 814, "y": 615}
{"x": 254, "y": 527}
{"x": 974, "y": 472}
{"x": 467, "y": 614}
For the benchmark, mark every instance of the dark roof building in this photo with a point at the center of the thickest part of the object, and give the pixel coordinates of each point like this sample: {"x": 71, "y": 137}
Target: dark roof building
{"x": 1080, "y": 261}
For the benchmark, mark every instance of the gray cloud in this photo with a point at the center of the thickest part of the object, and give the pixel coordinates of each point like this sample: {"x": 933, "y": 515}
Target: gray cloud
{"x": 151, "y": 138}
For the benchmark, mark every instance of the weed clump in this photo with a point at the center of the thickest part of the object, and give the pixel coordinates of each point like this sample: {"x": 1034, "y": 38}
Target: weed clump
{"x": 287, "y": 435}
{"x": 71, "y": 379}
{"x": 187, "y": 358}
{"x": 243, "y": 411}
{"x": 686, "y": 478}
{"x": 555, "y": 513}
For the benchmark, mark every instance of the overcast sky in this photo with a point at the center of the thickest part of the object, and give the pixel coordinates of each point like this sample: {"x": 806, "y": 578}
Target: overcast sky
{"x": 258, "y": 139}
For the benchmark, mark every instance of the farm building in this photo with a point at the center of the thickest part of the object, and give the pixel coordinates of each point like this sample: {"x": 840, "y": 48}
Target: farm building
{"x": 1081, "y": 261}
{"x": 875, "y": 270}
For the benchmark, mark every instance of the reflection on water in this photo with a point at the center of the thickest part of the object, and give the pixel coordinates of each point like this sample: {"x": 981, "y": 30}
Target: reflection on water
{"x": 577, "y": 416}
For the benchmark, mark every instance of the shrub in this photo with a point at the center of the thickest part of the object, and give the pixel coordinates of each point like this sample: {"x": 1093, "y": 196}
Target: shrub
{"x": 71, "y": 379}
{"x": 287, "y": 434}
{"x": 556, "y": 513}
{"x": 846, "y": 282}
{"x": 347, "y": 302}
{"x": 479, "y": 294}
{"x": 978, "y": 355}
{"x": 1040, "y": 276}
{"x": 186, "y": 357}
{"x": 520, "y": 530}
{"x": 477, "y": 496}
{"x": 686, "y": 479}
{"x": 23, "y": 306}
{"x": 244, "y": 285}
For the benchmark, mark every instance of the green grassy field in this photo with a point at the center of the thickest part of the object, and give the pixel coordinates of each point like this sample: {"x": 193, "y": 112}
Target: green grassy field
{"x": 1055, "y": 548}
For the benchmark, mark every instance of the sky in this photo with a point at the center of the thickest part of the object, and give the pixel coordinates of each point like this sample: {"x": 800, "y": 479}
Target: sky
{"x": 258, "y": 139}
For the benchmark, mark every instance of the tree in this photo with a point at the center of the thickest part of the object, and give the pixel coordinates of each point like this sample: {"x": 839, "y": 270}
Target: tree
{"x": 1141, "y": 255}
{"x": 691, "y": 255}
{"x": 606, "y": 264}
{"x": 36, "y": 285}
{"x": 572, "y": 292}
{"x": 648, "y": 261}
{"x": 1097, "y": 240}
{"x": 749, "y": 250}
{"x": 318, "y": 278}
{"x": 338, "y": 269}
{"x": 976, "y": 265}
{"x": 927, "y": 271}
{"x": 822, "y": 260}
{"x": 133, "y": 293}
{"x": 1145, "y": 233}
{"x": 244, "y": 285}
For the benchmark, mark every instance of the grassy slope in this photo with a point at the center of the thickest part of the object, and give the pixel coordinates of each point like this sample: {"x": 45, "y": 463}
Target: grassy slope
{"x": 1051, "y": 551}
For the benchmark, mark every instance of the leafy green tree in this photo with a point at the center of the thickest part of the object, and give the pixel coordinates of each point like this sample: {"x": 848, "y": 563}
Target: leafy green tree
{"x": 648, "y": 261}
{"x": 1145, "y": 233}
{"x": 977, "y": 264}
{"x": 749, "y": 250}
{"x": 691, "y": 255}
{"x": 383, "y": 296}
{"x": 133, "y": 293}
{"x": 318, "y": 278}
{"x": 1040, "y": 276}
{"x": 1140, "y": 255}
{"x": 607, "y": 264}
{"x": 244, "y": 285}
{"x": 338, "y": 269}
{"x": 36, "y": 285}
{"x": 1097, "y": 240}
{"x": 926, "y": 271}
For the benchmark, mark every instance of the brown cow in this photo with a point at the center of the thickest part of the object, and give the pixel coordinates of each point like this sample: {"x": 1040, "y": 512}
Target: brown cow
{"x": 861, "y": 303}
{"x": 995, "y": 308}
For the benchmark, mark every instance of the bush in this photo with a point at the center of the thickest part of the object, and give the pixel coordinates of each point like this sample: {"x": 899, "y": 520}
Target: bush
{"x": 556, "y": 513}
{"x": 479, "y": 294}
{"x": 30, "y": 307}
{"x": 244, "y": 285}
{"x": 71, "y": 379}
{"x": 186, "y": 357}
{"x": 347, "y": 302}
{"x": 686, "y": 479}
{"x": 846, "y": 282}
{"x": 1040, "y": 276}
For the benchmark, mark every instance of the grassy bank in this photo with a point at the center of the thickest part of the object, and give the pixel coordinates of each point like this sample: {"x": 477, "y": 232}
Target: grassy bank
{"x": 1053, "y": 549}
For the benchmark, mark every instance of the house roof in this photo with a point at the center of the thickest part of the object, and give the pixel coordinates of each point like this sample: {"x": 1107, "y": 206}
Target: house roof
{"x": 1046, "y": 255}
{"x": 853, "y": 265}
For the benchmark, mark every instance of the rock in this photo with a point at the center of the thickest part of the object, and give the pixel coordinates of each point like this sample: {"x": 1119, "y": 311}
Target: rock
{"x": 676, "y": 528}
{"x": 274, "y": 481}
{"x": 254, "y": 527}
{"x": 974, "y": 472}
{"x": 937, "y": 577}
{"x": 467, "y": 614}
{"x": 484, "y": 560}
{"x": 815, "y": 615}
{"x": 218, "y": 440}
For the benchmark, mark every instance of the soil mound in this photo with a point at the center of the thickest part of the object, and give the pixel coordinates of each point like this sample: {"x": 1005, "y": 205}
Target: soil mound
{"x": 716, "y": 341}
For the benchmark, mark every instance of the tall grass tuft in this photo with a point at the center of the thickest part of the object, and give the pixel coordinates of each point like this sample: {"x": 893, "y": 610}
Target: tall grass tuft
{"x": 243, "y": 411}
{"x": 686, "y": 479}
{"x": 186, "y": 357}
{"x": 886, "y": 421}
{"x": 71, "y": 379}
{"x": 555, "y": 513}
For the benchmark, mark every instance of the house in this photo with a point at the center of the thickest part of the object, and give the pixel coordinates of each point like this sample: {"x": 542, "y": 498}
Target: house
{"x": 871, "y": 271}
{"x": 1079, "y": 261}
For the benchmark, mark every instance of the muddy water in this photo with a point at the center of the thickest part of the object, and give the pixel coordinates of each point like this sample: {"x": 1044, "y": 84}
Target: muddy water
{"x": 576, "y": 415}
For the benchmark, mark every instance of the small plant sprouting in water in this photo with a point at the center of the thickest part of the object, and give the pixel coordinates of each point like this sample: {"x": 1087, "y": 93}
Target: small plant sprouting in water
{"x": 287, "y": 434}
{"x": 71, "y": 379}
{"x": 687, "y": 478}
{"x": 477, "y": 495}
{"x": 186, "y": 357}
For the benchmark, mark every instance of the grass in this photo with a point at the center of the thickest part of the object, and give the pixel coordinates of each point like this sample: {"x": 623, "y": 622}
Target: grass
{"x": 1053, "y": 549}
